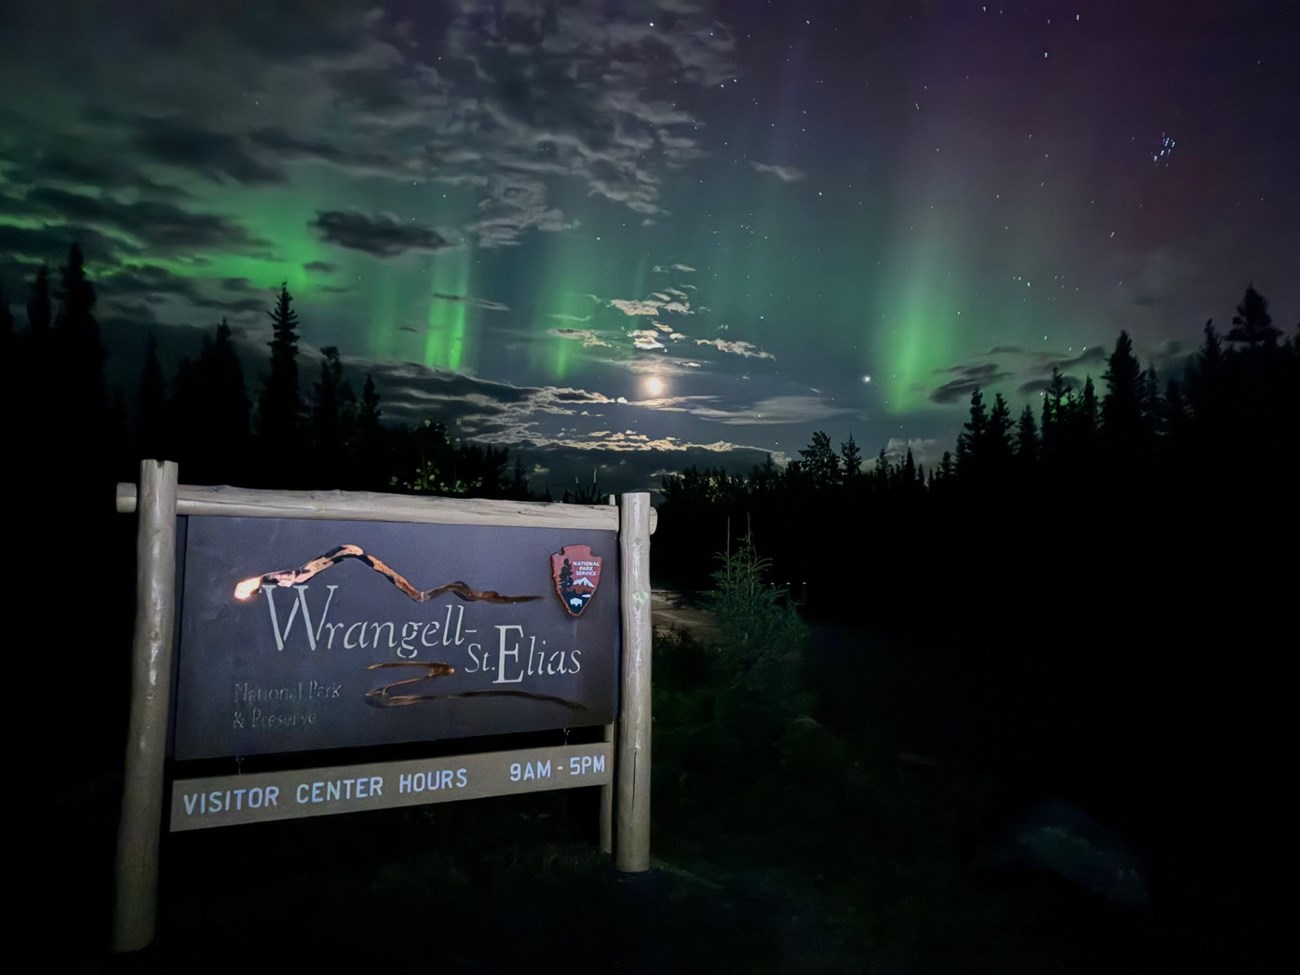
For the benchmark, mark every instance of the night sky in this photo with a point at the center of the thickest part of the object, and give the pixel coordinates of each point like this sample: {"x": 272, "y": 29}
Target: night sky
{"x": 639, "y": 236}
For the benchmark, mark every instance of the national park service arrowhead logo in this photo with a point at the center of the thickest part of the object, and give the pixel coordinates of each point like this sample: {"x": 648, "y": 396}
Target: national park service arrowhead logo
{"x": 577, "y": 574}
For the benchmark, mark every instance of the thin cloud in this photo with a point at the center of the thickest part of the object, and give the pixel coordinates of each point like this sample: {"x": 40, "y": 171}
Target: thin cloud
{"x": 786, "y": 174}
{"x": 970, "y": 377}
{"x": 746, "y": 349}
{"x": 774, "y": 410}
{"x": 586, "y": 336}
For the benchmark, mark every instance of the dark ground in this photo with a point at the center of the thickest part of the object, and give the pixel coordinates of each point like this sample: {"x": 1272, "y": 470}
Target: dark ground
{"x": 926, "y": 877}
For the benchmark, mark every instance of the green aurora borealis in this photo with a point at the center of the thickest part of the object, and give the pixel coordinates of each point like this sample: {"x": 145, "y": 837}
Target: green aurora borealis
{"x": 514, "y": 216}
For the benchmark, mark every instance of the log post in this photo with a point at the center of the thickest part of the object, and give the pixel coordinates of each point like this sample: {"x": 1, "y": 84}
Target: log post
{"x": 136, "y": 902}
{"x": 607, "y": 805}
{"x": 632, "y": 853}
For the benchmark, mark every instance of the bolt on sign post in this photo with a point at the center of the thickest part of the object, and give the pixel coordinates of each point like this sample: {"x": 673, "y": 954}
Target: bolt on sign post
{"x": 323, "y": 620}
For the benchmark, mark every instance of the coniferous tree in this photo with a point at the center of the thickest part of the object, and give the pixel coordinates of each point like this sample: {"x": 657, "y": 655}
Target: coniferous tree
{"x": 39, "y": 315}
{"x": 1058, "y": 405}
{"x": 1151, "y": 403}
{"x": 78, "y": 327}
{"x": 850, "y": 459}
{"x": 997, "y": 441}
{"x": 1252, "y": 324}
{"x": 970, "y": 442}
{"x": 910, "y": 478}
{"x": 820, "y": 461}
{"x": 1122, "y": 407}
{"x": 947, "y": 469}
{"x": 369, "y": 472}
{"x": 280, "y": 407}
{"x": 1026, "y": 438}
{"x": 36, "y": 377}
{"x": 518, "y": 490}
{"x": 1086, "y": 418}
{"x": 883, "y": 473}
{"x": 333, "y": 412}
{"x": 81, "y": 407}
{"x": 766, "y": 477}
{"x": 1207, "y": 391}
{"x": 1209, "y": 361}
{"x": 1174, "y": 414}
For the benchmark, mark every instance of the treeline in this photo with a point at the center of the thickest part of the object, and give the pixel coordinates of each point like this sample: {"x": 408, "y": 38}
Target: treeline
{"x": 331, "y": 437}
{"x": 1121, "y": 561}
{"x": 68, "y": 440}
{"x": 207, "y": 416}
{"x": 1101, "y": 482}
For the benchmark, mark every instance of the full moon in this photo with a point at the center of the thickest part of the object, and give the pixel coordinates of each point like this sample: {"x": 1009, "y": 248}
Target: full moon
{"x": 655, "y": 386}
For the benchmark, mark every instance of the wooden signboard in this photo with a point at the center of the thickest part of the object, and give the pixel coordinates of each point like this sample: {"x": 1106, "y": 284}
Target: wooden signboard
{"x": 261, "y": 797}
{"x": 308, "y": 635}
{"x": 327, "y": 620}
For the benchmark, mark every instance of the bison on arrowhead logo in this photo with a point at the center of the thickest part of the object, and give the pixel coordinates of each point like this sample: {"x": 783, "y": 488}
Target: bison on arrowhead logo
{"x": 577, "y": 574}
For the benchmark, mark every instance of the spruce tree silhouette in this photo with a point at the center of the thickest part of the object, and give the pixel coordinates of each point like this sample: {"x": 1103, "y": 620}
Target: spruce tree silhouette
{"x": 1252, "y": 325}
{"x": 1026, "y": 439}
{"x": 1174, "y": 416}
{"x": 1122, "y": 410}
{"x": 280, "y": 407}
{"x": 997, "y": 441}
{"x": 79, "y": 406}
{"x": 39, "y": 315}
{"x": 1086, "y": 419}
{"x": 850, "y": 460}
{"x": 370, "y": 470}
{"x": 333, "y": 412}
{"x": 820, "y": 461}
{"x": 970, "y": 442}
{"x": 34, "y": 379}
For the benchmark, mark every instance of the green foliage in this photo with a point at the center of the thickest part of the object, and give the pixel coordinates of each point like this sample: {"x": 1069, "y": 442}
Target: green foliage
{"x": 754, "y": 615}
{"x": 437, "y": 469}
{"x": 761, "y": 650}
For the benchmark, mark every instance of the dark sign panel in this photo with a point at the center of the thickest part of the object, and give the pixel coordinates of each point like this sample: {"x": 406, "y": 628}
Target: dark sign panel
{"x": 299, "y": 635}
{"x": 229, "y": 800}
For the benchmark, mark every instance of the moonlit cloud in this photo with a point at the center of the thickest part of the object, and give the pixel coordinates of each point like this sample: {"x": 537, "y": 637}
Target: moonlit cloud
{"x": 511, "y": 212}
{"x": 786, "y": 174}
{"x": 776, "y": 410}
{"x": 745, "y": 349}
{"x": 633, "y": 308}
{"x": 586, "y": 336}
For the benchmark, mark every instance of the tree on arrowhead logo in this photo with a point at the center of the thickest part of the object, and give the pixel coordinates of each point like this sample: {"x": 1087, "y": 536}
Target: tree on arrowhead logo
{"x": 577, "y": 574}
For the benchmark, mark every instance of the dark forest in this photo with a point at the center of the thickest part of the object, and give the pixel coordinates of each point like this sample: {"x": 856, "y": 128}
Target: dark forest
{"x": 1105, "y": 584}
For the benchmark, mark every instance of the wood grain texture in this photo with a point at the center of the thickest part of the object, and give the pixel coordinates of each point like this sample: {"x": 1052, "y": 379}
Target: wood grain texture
{"x": 135, "y": 907}
{"x": 368, "y": 506}
{"x": 632, "y": 840}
